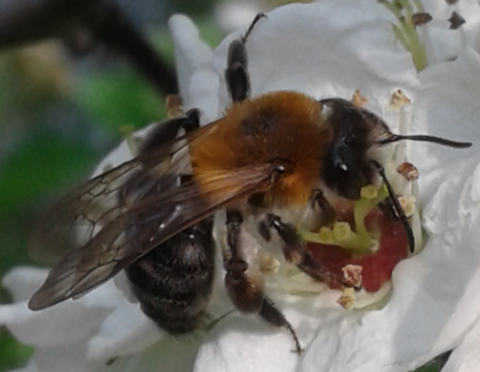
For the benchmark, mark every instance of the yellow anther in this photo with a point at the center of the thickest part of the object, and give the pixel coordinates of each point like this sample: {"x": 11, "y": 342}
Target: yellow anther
{"x": 326, "y": 235}
{"x": 341, "y": 231}
{"x": 347, "y": 299}
{"x": 408, "y": 204}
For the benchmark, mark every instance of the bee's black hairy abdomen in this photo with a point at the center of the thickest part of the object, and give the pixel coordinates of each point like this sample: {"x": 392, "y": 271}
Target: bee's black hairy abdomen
{"x": 173, "y": 283}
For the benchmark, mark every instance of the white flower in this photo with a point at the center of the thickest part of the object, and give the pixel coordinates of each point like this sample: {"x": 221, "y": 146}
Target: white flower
{"x": 434, "y": 303}
{"x": 325, "y": 49}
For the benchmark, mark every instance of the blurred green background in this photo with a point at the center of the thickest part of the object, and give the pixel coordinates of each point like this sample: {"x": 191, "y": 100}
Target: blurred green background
{"x": 61, "y": 113}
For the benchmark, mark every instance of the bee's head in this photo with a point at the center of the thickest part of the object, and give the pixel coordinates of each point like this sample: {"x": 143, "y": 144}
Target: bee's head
{"x": 347, "y": 166}
{"x": 350, "y": 163}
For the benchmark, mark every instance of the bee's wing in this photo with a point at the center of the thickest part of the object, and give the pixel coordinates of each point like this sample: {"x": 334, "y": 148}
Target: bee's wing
{"x": 79, "y": 215}
{"x": 135, "y": 231}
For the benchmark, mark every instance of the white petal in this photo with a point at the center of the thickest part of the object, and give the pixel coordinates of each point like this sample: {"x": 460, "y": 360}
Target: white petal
{"x": 329, "y": 48}
{"x": 446, "y": 106}
{"x": 466, "y": 357}
{"x": 121, "y": 153}
{"x": 191, "y": 55}
{"x": 233, "y": 15}
{"x": 69, "y": 321}
{"x": 202, "y": 95}
{"x": 22, "y": 282}
{"x": 246, "y": 343}
{"x": 443, "y": 43}
{"x": 165, "y": 356}
{"x": 125, "y": 331}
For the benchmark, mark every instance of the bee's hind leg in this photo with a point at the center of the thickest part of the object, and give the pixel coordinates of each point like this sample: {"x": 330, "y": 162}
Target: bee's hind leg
{"x": 244, "y": 284}
{"x": 273, "y": 316}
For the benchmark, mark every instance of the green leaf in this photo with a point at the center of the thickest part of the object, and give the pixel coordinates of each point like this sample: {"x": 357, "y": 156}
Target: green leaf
{"x": 119, "y": 98}
{"x": 44, "y": 162}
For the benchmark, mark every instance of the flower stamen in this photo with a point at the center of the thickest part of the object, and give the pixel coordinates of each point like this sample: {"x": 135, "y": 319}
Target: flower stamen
{"x": 406, "y": 33}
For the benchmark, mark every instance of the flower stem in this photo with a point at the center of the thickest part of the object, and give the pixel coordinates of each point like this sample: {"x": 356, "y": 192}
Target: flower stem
{"x": 401, "y": 37}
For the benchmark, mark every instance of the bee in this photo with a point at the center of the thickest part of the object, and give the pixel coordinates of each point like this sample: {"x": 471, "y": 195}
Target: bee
{"x": 270, "y": 158}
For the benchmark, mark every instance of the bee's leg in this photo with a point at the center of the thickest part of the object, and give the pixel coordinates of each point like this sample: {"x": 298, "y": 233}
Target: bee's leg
{"x": 168, "y": 130}
{"x": 310, "y": 267}
{"x": 396, "y": 206}
{"x": 294, "y": 251}
{"x": 328, "y": 213}
{"x": 272, "y": 315}
{"x": 292, "y": 244}
{"x": 236, "y": 74}
{"x": 244, "y": 284}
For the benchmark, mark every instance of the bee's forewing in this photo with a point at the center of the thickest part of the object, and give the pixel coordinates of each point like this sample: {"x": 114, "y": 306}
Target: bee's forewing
{"x": 99, "y": 243}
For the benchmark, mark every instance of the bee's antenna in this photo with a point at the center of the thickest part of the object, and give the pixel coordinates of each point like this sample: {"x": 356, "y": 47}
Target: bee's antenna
{"x": 424, "y": 138}
{"x": 397, "y": 207}
{"x": 252, "y": 25}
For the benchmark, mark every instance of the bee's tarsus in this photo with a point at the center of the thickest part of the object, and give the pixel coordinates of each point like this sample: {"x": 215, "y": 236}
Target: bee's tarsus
{"x": 272, "y": 315}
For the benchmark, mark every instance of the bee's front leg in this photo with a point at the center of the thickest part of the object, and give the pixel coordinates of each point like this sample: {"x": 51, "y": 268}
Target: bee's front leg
{"x": 294, "y": 250}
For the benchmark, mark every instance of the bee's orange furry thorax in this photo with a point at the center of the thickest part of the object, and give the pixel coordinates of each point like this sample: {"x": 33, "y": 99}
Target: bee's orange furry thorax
{"x": 280, "y": 125}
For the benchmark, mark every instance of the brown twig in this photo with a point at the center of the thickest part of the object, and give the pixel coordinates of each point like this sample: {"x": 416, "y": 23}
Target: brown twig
{"x": 102, "y": 21}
